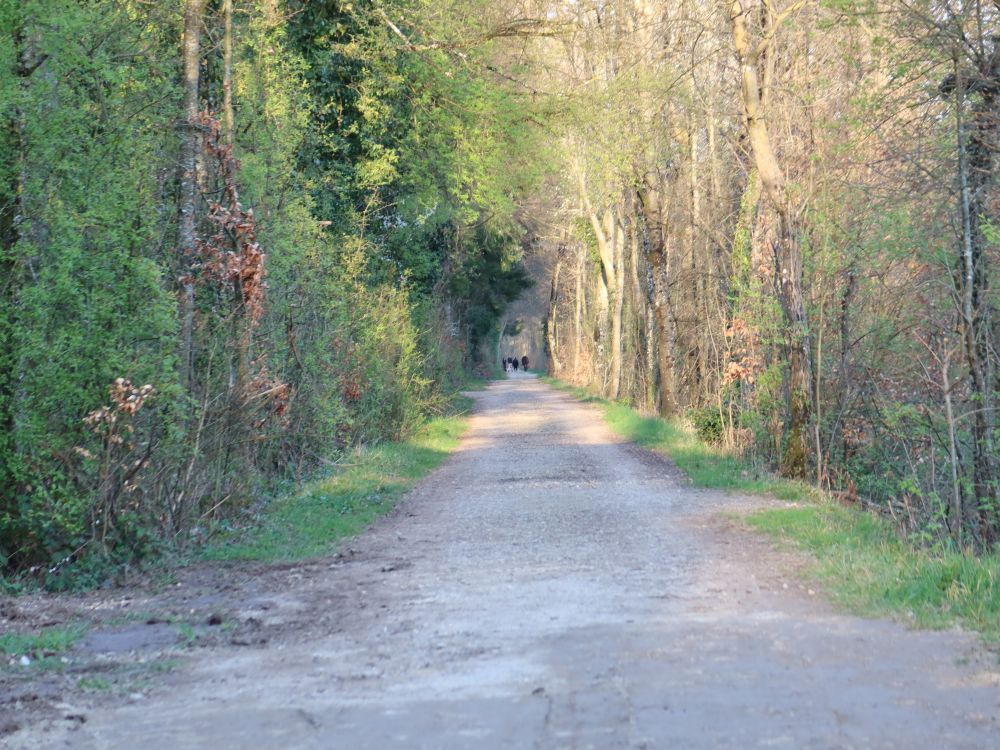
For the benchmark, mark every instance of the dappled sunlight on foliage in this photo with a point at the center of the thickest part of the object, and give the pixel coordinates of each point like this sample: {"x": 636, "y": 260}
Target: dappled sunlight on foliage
{"x": 324, "y": 268}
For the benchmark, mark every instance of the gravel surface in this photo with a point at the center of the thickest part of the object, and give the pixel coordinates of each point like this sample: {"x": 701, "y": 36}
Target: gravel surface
{"x": 549, "y": 587}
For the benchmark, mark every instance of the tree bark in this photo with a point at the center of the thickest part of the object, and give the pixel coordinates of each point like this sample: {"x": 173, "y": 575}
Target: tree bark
{"x": 617, "y": 313}
{"x": 193, "y": 10}
{"x": 700, "y": 266}
{"x": 578, "y": 316}
{"x": 552, "y": 338}
{"x": 651, "y": 200}
{"x": 956, "y": 486}
{"x": 604, "y": 278}
{"x": 228, "y": 124}
{"x": 976, "y": 143}
{"x": 641, "y": 331}
{"x": 605, "y": 228}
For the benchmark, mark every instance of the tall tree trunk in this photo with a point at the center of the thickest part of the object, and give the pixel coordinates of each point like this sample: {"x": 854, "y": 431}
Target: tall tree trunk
{"x": 787, "y": 253}
{"x": 552, "y": 320}
{"x": 578, "y": 310}
{"x": 958, "y": 515}
{"x": 18, "y": 223}
{"x": 652, "y": 381}
{"x": 700, "y": 265}
{"x": 666, "y": 329}
{"x": 605, "y": 228}
{"x": 638, "y": 303}
{"x": 193, "y": 11}
{"x": 11, "y": 219}
{"x": 499, "y": 357}
{"x": 228, "y": 124}
{"x": 977, "y": 142}
{"x": 617, "y": 314}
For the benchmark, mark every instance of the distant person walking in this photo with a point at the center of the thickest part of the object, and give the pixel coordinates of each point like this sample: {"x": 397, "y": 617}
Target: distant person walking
{"x": 524, "y": 363}
{"x": 514, "y": 362}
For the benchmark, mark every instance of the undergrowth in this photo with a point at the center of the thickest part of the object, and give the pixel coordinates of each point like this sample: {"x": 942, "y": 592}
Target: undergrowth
{"x": 366, "y": 485}
{"x": 861, "y": 559}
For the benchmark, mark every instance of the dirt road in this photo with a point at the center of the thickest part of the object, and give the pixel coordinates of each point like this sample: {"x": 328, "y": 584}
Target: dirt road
{"x": 549, "y": 587}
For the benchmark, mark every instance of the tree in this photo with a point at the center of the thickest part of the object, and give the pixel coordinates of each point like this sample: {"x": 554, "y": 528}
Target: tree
{"x": 753, "y": 59}
{"x": 191, "y": 140}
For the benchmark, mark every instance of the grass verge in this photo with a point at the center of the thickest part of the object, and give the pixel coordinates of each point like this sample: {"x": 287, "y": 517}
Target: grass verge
{"x": 859, "y": 557}
{"x": 52, "y": 640}
{"x": 478, "y": 383}
{"x": 314, "y": 520}
{"x": 866, "y": 566}
{"x": 37, "y": 645}
{"x": 707, "y": 465}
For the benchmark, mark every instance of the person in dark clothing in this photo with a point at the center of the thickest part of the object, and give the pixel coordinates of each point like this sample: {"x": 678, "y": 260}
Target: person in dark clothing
{"x": 524, "y": 363}
{"x": 514, "y": 363}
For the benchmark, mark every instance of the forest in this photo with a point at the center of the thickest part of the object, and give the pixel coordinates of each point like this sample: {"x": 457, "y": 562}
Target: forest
{"x": 240, "y": 237}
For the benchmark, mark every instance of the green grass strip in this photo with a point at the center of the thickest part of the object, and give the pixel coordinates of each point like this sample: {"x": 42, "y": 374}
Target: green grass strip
{"x": 859, "y": 557}
{"x": 708, "y": 466}
{"x": 312, "y": 522}
{"x": 49, "y": 640}
{"x": 866, "y": 566}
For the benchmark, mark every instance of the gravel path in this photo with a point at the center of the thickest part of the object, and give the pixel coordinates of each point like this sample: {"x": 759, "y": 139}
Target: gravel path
{"x": 553, "y": 587}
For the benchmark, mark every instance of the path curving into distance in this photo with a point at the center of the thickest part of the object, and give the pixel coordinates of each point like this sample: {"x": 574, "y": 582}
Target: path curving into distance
{"x": 553, "y": 587}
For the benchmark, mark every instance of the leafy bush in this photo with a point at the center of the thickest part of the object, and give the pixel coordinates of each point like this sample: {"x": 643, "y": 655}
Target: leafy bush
{"x": 707, "y": 424}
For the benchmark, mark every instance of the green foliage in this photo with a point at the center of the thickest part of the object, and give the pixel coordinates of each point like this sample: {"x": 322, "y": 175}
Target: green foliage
{"x": 85, "y": 302}
{"x": 707, "y": 423}
{"x": 382, "y": 188}
{"x": 742, "y": 236}
{"x": 583, "y": 230}
{"x": 94, "y": 684}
